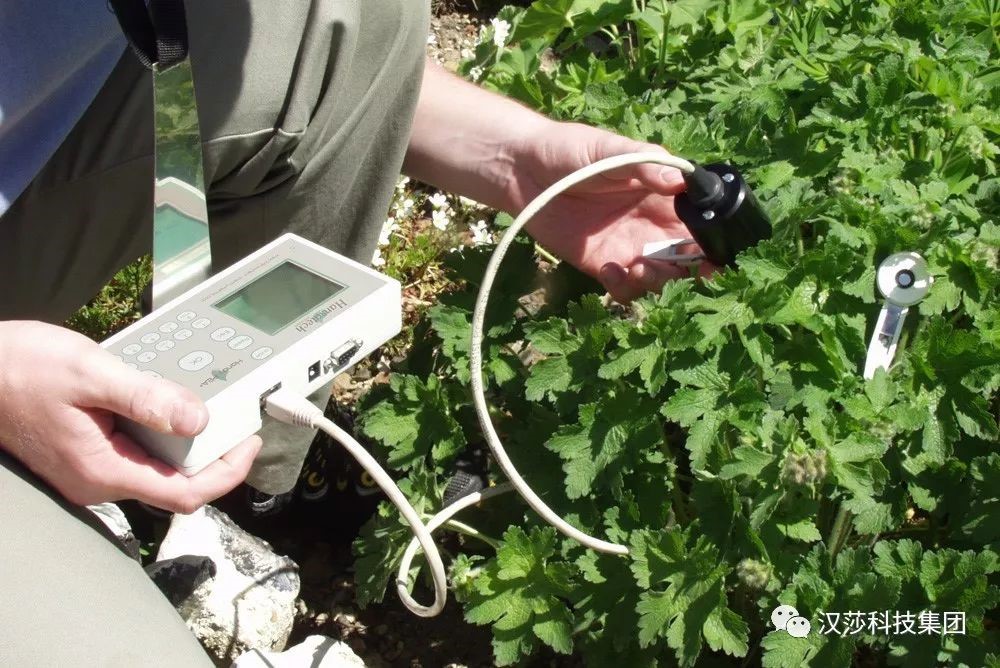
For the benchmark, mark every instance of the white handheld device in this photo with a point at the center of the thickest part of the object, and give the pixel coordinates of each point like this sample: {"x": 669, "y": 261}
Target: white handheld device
{"x": 291, "y": 315}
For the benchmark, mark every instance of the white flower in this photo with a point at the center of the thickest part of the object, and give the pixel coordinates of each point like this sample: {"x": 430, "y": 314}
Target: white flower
{"x": 501, "y": 30}
{"x": 401, "y": 183}
{"x": 480, "y": 234}
{"x": 438, "y": 200}
{"x": 388, "y": 228}
{"x": 377, "y": 259}
{"x": 468, "y": 203}
{"x": 400, "y": 209}
{"x": 432, "y": 40}
{"x": 440, "y": 219}
{"x": 466, "y": 53}
{"x": 476, "y": 73}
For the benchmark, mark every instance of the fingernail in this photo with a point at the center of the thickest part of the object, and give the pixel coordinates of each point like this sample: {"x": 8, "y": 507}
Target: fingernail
{"x": 612, "y": 276}
{"x": 671, "y": 176}
{"x": 187, "y": 418}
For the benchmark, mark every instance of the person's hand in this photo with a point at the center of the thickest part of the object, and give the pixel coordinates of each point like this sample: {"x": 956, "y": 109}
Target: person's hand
{"x": 601, "y": 225}
{"x": 59, "y": 393}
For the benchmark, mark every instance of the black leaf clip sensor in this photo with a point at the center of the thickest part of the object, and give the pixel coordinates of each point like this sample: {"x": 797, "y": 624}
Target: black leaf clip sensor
{"x": 721, "y": 212}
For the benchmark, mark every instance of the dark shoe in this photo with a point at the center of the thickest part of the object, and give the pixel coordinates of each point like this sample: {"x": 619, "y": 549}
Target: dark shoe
{"x": 266, "y": 505}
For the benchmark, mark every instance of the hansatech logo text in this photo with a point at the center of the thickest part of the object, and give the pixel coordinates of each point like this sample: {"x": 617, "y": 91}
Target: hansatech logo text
{"x": 221, "y": 374}
{"x": 321, "y": 315}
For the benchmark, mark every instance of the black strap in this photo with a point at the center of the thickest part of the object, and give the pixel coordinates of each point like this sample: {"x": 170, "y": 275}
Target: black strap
{"x": 157, "y": 34}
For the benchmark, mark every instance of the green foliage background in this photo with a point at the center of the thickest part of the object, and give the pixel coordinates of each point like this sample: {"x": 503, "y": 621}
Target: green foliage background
{"x": 722, "y": 429}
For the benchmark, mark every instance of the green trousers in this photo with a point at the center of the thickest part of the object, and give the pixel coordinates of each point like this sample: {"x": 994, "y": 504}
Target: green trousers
{"x": 305, "y": 110}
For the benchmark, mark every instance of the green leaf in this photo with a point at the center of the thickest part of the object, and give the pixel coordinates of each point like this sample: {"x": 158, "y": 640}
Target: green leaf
{"x": 748, "y": 461}
{"x": 521, "y": 595}
{"x": 417, "y": 423}
{"x": 548, "y": 378}
{"x": 782, "y": 650}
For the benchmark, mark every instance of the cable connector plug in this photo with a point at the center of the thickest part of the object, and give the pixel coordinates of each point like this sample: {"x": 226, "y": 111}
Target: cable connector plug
{"x": 703, "y": 188}
{"x": 291, "y": 408}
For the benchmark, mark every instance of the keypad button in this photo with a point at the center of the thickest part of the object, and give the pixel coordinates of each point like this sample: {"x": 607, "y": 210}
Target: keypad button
{"x": 187, "y": 316}
{"x": 201, "y": 323}
{"x": 195, "y": 361}
{"x": 261, "y": 353}
{"x": 145, "y": 357}
{"x": 240, "y": 342}
{"x": 152, "y": 337}
{"x": 183, "y": 334}
{"x": 164, "y": 346}
{"x": 132, "y": 365}
{"x": 168, "y": 327}
{"x": 223, "y": 334}
{"x": 150, "y": 372}
{"x": 131, "y": 349}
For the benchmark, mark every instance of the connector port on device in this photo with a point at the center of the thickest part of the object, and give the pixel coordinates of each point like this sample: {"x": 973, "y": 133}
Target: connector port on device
{"x": 314, "y": 371}
{"x": 266, "y": 394}
{"x": 342, "y": 354}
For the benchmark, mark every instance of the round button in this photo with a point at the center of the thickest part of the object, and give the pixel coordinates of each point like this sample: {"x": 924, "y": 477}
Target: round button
{"x": 187, "y": 316}
{"x": 223, "y": 333}
{"x": 240, "y": 342}
{"x": 131, "y": 349}
{"x": 152, "y": 337}
{"x": 147, "y": 356}
{"x": 195, "y": 361}
{"x": 183, "y": 334}
{"x": 168, "y": 327}
{"x": 150, "y": 372}
{"x": 164, "y": 346}
{"x": 201, "y": 323}
{"x": 261, "y": 353}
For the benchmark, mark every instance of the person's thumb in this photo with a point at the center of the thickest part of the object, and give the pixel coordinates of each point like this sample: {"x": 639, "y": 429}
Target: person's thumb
{"x": 661, "y": 179}
{"x": 154, "y": 402}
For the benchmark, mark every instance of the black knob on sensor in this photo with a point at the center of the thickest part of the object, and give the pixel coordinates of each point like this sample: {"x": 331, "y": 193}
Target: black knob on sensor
{"x": 721, "y": 212}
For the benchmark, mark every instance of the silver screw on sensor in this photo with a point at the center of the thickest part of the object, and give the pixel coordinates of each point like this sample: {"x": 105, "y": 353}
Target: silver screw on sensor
{"x": 728, "y": 178}
{"x": 708, "y": 215}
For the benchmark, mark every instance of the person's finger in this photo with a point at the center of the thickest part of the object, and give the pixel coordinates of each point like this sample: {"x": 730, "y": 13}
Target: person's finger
{"x": 659, "y": 178}
{"x": 227, "y": 472}
{"x": 615, "y": 280}
{"x": 142, "y": 476}
{"x": 650, "y": 275}
{"x": 154, "y": 402}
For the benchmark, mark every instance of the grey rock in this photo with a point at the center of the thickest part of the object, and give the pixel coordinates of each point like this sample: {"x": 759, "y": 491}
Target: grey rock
{"x": 114, "y": 519}
{"x": 180, "y": 577}
{"x": 247, "y": 603}
{"x": 313, "y": 652}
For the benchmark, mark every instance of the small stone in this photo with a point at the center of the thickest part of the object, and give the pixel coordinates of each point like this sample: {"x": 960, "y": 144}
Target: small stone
{"x": 180, "y": 577}
{"x": 114, "y": 519}
{"x": 315, "y": 652}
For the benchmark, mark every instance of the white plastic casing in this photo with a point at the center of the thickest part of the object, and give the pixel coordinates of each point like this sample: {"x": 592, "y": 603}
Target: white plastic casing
{"x": 370, "y": 316}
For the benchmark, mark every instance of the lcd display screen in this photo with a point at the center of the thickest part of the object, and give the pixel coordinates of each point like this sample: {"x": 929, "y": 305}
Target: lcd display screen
{"x": 279, "y": 297}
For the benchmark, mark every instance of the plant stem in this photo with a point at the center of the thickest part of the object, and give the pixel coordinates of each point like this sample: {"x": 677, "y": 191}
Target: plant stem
{"x": 839, "y": 531}
{"x": 463, "y": 528}
{"x": 547, "y": 255}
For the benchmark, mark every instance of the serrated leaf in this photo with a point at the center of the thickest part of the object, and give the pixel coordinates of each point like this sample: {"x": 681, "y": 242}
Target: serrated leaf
{"x": 548, "y": 378}
{"x": 748, "y": 461}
